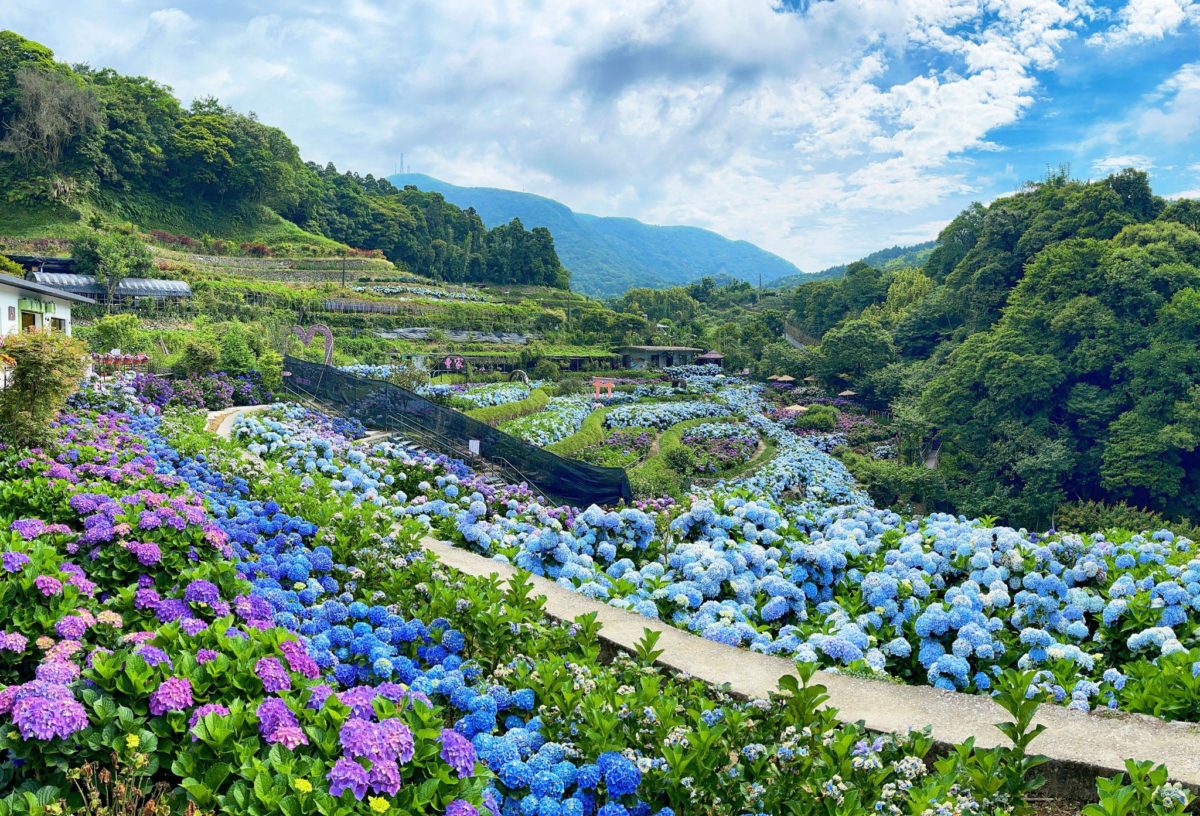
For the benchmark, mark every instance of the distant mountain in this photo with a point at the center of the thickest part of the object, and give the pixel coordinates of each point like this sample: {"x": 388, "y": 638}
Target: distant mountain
{"x": 607, "y": 256}
{"x": 896, "y": 257}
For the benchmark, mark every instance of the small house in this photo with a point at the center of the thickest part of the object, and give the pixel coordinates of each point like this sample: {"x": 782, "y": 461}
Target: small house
{"x": 710, "y": 358}
{"x": 636, "y": 357}
{"x": 30, "y": 306}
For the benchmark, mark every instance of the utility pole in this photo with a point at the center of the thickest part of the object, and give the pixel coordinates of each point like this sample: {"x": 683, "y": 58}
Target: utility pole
{"x": 343, "y": 269}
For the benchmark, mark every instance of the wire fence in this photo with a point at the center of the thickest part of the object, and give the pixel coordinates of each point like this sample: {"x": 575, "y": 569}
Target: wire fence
{"x": 379, "y": 404}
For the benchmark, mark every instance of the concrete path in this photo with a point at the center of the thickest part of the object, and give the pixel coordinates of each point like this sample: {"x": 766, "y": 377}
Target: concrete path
{"x": 221, "y": 422}
{"x": 1080, "y": 746}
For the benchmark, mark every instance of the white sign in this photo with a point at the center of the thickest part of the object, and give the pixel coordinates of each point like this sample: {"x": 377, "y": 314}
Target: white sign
{"x": 473, "y": 446}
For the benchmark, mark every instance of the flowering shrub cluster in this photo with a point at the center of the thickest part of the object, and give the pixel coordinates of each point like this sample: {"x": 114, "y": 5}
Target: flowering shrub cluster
{"x": 621, "y": 448}
{"x": 214, "y": 391}
{"x": 793, "y": 560}
{"x": 482, "y": 396}
{"x": 421, "y": 291}
{"x": 713, "y": 447}
{"x": 662, "y": 414}
{"x": 561, "y": 417}
{"x": 261, "y": 636}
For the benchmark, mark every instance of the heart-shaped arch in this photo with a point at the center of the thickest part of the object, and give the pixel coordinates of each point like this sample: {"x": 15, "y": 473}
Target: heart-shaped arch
{"x": 306, "y": 336}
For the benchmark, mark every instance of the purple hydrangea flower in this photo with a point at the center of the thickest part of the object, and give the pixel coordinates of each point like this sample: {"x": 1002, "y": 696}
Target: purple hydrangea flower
{"x": 71, "y": 627}
{"x": 460, "y": 807}
{"x": 174, "y": 694}
{"x": 319, "y": 694}
{"x": 192, "y": 626}
{"x": 348, "y": 775}
{"x": 204, "y": 711}
{"x": 299, "y": 660}
{"x": 58, "y": 671}
{"x": 43, "y": 710}
{"x": 399, "y": 739}
{"x": 147, "y": 553}
{"x": 12, "y": 642}
{"x": 385, "y": 777}
{"x": 273, "y": 675}
{"x": 289, "y": 736}
{"x": 458, "y": 753}
{"x": 48, "y": 585}
{"x": 273, "y": 714}
{"x": 206, "y": 656}
{"x": 200, "y": 591}
{"x": 153, "y": 655}
{"x": 14, "y": 561}
{"x": 28, "y": 529}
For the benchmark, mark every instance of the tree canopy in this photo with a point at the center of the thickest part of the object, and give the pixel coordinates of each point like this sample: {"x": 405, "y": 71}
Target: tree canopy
{"x": 69, "y": 134}
{"x": 1047, "y": 345}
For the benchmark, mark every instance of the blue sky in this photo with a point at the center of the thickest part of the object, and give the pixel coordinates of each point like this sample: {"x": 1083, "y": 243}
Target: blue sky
{"x": 818, "y": 129}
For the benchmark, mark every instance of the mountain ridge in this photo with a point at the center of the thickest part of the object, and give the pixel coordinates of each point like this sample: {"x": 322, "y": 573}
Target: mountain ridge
{"x": 608, "y": 255}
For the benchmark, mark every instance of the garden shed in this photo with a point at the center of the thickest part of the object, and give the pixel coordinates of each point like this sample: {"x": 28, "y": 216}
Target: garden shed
{"x": 657, "y": 356}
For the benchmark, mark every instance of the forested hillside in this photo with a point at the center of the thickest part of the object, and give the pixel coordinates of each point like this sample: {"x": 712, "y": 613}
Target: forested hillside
{"x": 891, "y": 259}
{"x": 608, "y": 256}
{"x": 82, "y": 143}
{"x": 1045, "y": 351}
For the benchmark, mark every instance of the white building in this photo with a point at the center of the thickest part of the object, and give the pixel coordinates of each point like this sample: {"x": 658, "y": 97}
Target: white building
{"x": 27, "y": 305}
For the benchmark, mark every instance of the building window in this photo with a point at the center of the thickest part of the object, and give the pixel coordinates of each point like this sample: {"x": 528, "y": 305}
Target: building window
{"x": 57, "y": 324}
{"x": 28, "y": 321}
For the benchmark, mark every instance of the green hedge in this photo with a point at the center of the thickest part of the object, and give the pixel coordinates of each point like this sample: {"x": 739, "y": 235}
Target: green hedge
{"x": 591, "y": 433}
{"x": 495, "y": 414}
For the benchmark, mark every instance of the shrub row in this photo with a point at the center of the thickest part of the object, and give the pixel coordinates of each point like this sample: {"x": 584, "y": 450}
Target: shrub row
{"x": 495, "y": 414}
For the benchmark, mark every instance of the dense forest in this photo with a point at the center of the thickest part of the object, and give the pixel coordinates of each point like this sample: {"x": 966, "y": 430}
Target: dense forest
{"x": 1045, "y": 350}
{"x": 72, "y": 134}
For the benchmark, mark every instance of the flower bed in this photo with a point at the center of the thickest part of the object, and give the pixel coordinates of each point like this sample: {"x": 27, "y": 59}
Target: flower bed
{"x": 662, "y": 414}
{"x": 793, "y": 560}
{"x": 561, "y": 417}
{"x": 215, "y": 391}
{"x": 712, "y": 448}
{"x": 621, "y": 448}
{"x": 211, "y": 635}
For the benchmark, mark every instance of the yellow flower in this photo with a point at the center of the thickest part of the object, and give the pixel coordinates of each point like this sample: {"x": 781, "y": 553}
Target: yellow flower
{"x": 378, "y": 804}
{"x": 132, "y": 741}
{"x": 299, "y": 585}
{"x": 302, "y": 785}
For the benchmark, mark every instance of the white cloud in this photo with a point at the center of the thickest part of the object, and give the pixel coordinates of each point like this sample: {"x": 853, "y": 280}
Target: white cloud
{"x": 1112, "y": 164}
{"x": 817, "y": 134}
{"x": 1145, "y": 20}
{"x": 1174, "y": 112}
{"x": 1185, "y": 194}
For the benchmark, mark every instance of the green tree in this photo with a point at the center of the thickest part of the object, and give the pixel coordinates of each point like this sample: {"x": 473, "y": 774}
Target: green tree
{"x": 112, "y": 258}
{"x": 853, "y": 350}
{"x": 236, "y": 356}
{"x": 46, "y": 369}
{"x": 119, "y": 331}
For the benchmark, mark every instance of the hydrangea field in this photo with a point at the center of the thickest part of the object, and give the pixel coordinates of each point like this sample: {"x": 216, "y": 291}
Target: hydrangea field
{"x": 201, "y": 630}
{"x": 793, "y": 560}
{"x": 250, "y": 627}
